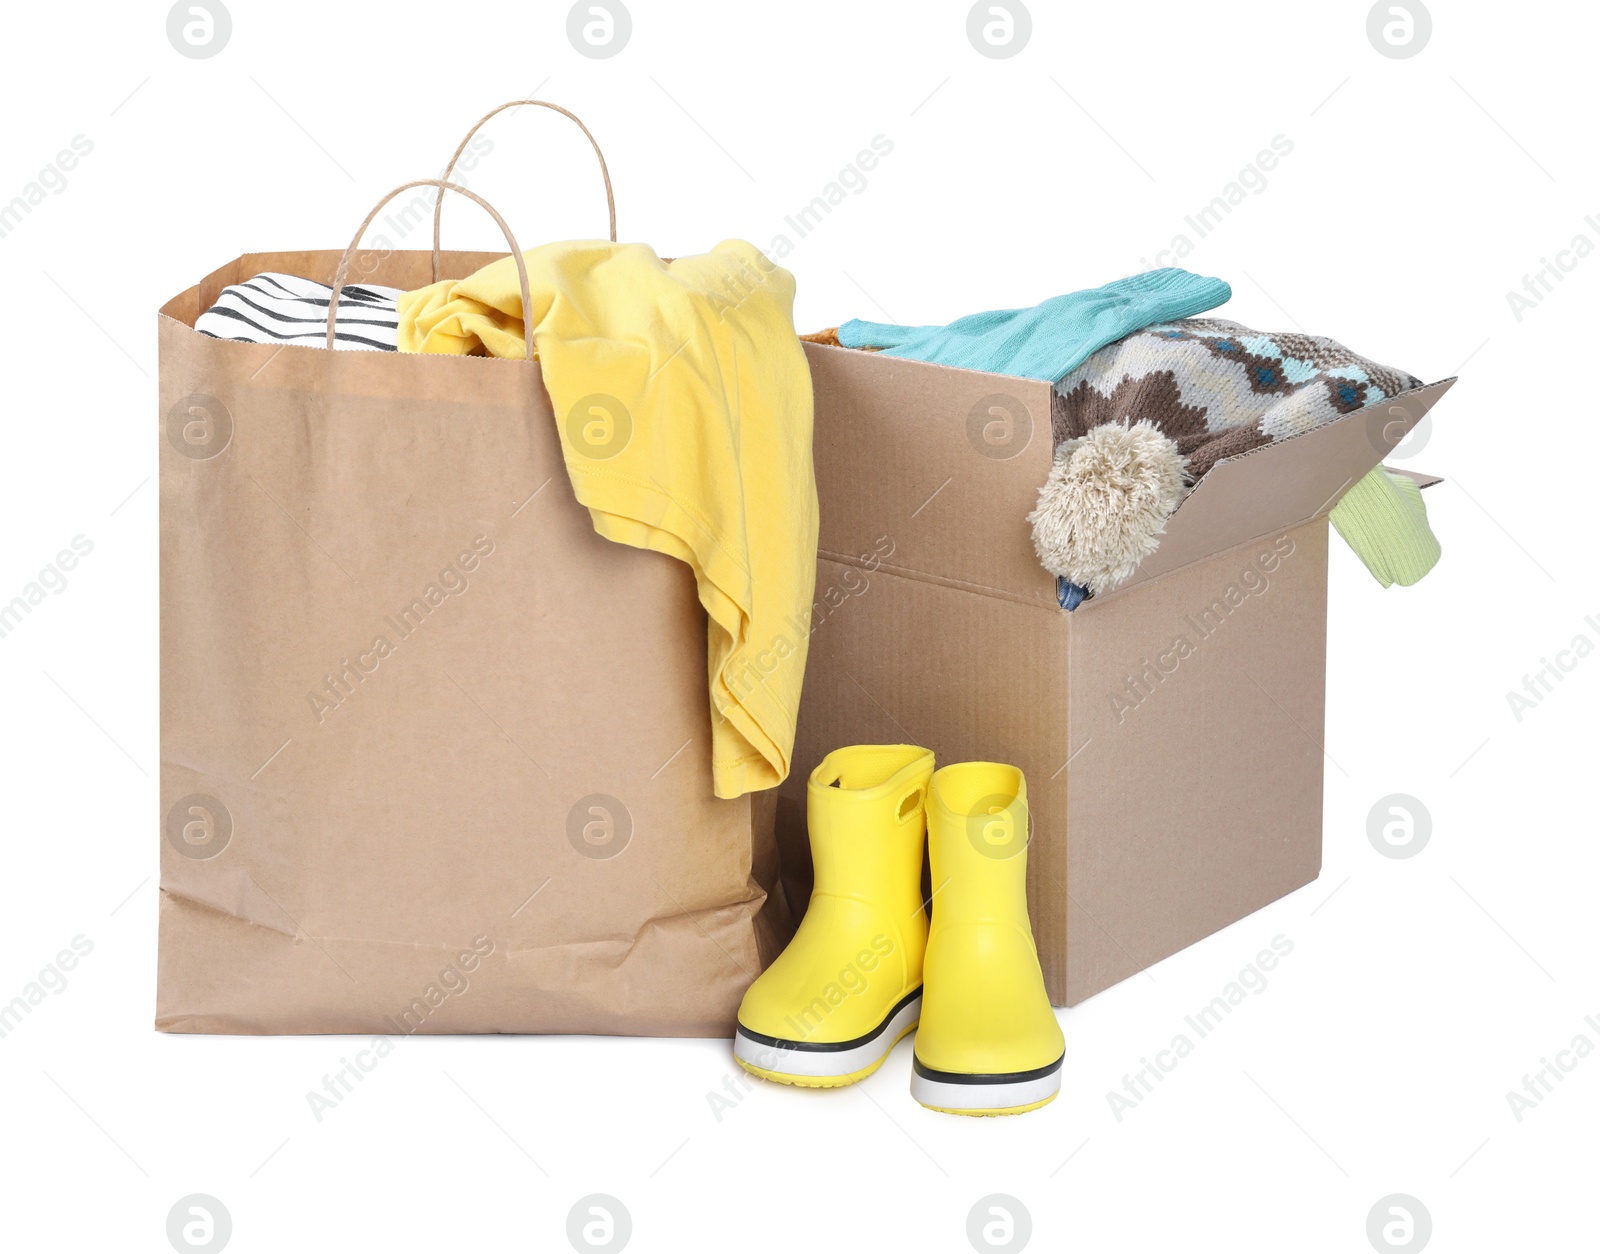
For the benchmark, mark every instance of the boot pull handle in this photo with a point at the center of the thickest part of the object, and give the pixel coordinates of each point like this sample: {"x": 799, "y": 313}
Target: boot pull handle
{"x": 910, "y": 804}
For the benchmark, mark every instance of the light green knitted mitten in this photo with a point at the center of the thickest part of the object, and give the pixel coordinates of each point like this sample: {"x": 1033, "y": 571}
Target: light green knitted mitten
{"x": 1385, "y": 522}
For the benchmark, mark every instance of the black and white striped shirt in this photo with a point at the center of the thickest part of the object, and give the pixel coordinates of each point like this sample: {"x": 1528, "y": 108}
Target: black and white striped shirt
{"x": 283, "y": 309}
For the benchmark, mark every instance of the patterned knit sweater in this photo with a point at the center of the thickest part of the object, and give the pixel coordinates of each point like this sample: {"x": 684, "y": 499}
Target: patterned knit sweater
{"x": 1218, "y": 389}
{"x": 1142, "y": 420}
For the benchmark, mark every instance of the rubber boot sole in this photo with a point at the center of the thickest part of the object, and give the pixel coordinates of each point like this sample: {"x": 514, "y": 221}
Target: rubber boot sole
{"x": 826, "y": 1064}
{"x": 1011, "y": 1093}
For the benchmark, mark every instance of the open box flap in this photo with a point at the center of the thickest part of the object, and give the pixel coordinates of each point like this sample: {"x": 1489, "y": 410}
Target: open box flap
{"x": 1281, "y": 485}
{"x": 1419, "y": 477}
{"x": 929, "y": 471}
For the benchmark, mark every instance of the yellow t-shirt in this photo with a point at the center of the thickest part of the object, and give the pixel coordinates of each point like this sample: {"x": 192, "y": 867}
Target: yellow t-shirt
{"x": 684, "y": 404}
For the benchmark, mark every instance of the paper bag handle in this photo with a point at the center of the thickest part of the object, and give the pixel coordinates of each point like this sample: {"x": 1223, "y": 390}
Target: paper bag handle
{"x": 611, "y": 202}
{"x": 522, "y": 266}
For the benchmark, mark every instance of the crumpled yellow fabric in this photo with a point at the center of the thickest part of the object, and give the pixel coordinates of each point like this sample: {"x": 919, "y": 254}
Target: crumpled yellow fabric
{"x": 684, "y": 404}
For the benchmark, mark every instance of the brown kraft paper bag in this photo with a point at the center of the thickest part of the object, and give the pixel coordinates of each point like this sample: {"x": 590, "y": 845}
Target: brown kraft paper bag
{"x": 434, "y": 756}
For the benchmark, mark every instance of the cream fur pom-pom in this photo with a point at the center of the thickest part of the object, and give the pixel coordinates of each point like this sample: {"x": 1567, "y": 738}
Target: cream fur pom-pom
{"x": 1105, "y": 503}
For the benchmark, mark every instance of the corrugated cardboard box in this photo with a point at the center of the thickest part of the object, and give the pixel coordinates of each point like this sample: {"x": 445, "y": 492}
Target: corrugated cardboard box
{"x": 1171, "y": 730}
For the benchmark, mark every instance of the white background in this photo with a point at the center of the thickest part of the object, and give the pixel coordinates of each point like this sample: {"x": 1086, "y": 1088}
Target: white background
{"x": 1419, "y": 192}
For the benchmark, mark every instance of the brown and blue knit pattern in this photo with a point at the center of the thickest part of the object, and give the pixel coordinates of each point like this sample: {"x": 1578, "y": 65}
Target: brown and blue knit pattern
{"x": 1218, "y": 389}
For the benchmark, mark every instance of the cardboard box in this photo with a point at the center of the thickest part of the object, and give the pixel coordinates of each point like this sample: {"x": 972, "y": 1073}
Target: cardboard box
{"x": 1171, "y": 731}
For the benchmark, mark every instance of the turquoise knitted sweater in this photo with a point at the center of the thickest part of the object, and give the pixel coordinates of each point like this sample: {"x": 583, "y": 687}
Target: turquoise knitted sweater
{"x": 1053, "y": 337}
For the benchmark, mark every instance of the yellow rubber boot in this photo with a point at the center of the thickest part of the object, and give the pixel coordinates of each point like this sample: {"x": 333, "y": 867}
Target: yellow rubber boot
{"x": 989, "y": 1043}
{"x": 849, "y": 985}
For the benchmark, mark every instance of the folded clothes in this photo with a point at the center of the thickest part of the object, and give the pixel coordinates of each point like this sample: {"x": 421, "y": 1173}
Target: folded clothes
{"x": 1053, "y": 337}
{"x": 284, "y": 309}
{"x": 684, "y": 405}
{"x": 1142, "y": 420}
